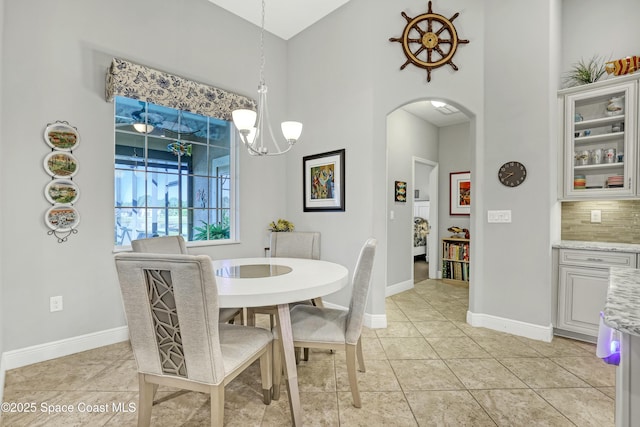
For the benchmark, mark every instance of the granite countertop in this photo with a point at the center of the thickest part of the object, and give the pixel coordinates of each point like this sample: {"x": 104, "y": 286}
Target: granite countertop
{"x": 622, "y": 309}
{"x": 598, "y": 246}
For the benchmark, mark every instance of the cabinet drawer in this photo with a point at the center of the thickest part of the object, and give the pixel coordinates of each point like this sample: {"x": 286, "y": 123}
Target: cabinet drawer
{"x": 603, "y": 259}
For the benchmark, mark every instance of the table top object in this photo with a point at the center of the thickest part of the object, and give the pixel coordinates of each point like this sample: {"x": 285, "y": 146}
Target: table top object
{"x": 307, "y": 279}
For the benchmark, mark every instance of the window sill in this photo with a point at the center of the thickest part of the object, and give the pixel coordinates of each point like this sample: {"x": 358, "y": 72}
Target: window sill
{"x": 194, "y": 244}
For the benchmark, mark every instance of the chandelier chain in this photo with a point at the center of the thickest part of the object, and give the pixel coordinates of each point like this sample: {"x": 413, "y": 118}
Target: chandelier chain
{"x": 262, "y": 57}
{"x": 251, "y": 124}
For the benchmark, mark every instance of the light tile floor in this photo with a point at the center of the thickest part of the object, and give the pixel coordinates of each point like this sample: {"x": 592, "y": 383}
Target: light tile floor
{"x": 428, "y": 368}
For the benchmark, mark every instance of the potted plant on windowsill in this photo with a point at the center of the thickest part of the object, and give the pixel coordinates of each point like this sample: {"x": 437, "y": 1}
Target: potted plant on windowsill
{"x": 282, "y": 225}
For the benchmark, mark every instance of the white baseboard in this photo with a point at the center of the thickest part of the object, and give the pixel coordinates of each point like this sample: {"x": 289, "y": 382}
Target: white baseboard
{"x": 398, "y": 287}
{"x": 2, "y": 371}
{"x": 373, "y": 321}
{"x": 514, "y": 327}
{"x": 41, "y": 352}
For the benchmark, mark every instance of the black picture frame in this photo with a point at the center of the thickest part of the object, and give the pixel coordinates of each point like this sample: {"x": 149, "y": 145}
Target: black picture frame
{"x": 323, "y": 182}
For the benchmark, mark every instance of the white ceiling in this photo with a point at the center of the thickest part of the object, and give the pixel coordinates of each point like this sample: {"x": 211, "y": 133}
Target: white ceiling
{"x": 429, "y": 113}
{"x": 284, "y": 18}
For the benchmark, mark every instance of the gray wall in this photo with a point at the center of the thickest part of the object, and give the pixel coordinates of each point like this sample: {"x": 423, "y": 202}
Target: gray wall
{"x": 354, "y": 86}
{"x": 341, "y": 78}
{"x": 520, "y": 88}
{"x": 422, "y": 179}
{"x": 618, "y": 37}
{"x": 407, "y": 136}
{"x": 455, "y": 156}
{"x": 54, "y": 64}
{"x": 3, "y": 177}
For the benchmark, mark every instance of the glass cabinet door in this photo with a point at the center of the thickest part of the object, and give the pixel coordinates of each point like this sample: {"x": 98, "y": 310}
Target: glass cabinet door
{"x": 599, "y": 142}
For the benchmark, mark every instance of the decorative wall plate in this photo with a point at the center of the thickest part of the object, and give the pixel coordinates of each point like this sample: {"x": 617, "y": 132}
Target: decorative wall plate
{"x": 62, "y": 217}
{"x": 61, "y": 136}
{"x": 61, "y": 191}
{"x": 61, "y": 164}
{"x": 429, "y": 41}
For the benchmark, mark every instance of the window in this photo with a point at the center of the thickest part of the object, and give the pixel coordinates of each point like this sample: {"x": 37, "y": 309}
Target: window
{"x": 174, "y": 174}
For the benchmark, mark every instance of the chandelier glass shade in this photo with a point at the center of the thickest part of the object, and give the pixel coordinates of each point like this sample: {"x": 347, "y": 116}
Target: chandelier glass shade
{"x": 251, "y": 124}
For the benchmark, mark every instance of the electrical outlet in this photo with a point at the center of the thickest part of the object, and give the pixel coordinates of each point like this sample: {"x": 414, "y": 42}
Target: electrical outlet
{"x": 596, "y": 216}
{"x": 55, "y": 303}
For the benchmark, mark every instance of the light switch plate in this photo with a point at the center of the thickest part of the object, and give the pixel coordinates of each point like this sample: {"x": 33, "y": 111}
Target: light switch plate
{"x": 499, "y": 216}
{"x": 596, "y": 216}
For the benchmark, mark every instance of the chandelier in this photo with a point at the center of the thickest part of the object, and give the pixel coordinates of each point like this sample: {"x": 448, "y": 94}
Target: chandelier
{"x": 251, "y": 124}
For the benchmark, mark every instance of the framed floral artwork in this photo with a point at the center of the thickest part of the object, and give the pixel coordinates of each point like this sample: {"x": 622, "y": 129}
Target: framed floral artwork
{"x": 323, "y": 181}
{"x": 460, "y": 193}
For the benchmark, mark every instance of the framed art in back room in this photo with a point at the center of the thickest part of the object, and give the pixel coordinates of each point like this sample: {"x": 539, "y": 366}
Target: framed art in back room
{"x": 323, "y": 182}
{"x": 460, "y": 193}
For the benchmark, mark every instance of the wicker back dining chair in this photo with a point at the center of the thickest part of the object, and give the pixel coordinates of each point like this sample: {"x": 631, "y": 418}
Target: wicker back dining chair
{"x": 334, "y": 329}
{"x": 177, "y": 245}
{"x": 171, "y": 305}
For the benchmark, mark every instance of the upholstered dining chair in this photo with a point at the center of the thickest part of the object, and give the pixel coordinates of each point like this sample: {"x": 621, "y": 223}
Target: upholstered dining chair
{"x": 328, "y": 328}
{"x": 292, "y": 244}
{"x": 177, "y": 245}
{"x": 171, "y": 305}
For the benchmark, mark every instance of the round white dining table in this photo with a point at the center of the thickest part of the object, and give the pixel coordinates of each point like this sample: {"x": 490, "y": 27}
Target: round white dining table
{"x": 256, "y": 282}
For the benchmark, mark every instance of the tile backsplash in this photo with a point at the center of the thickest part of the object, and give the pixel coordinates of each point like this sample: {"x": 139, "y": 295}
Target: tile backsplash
{"x": 620, "y": 221}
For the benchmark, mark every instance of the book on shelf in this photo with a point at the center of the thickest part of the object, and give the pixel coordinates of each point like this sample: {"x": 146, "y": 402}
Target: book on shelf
{"x": 458, "y": 251}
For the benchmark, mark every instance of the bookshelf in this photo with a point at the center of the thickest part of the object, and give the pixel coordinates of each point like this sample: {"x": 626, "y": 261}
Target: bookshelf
{"x": 455, "y": 261}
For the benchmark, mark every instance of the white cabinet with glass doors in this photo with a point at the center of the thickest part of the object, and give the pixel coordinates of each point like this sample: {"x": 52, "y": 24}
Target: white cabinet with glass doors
{"x": 600, "y": 139}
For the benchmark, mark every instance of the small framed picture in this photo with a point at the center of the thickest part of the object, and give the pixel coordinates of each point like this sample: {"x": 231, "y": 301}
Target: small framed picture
{"x": 460, "y": 193}
{"x": 400, "y": 191}
{"x": 323, "y": 181}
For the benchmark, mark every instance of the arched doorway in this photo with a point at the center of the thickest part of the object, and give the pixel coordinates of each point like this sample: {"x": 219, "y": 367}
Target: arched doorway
{"x": 439, "y": 136}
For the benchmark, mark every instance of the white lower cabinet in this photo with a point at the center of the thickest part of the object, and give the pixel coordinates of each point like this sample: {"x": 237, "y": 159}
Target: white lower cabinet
{"x": 582, "y": 289}
{"x": 582, "y": 294}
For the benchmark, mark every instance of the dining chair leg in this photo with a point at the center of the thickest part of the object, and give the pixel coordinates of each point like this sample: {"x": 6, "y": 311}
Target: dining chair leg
{"x": 217, "y": 405}
{"x": 251, "y": 317}
{"x": 266, "y": 374}
{"x": 360, "y": 356}
{"x": 277, "y": 369}
{"x": 351, "y": 371}
{"x": 286, "y": 342}
{"x": 145, "y": 401}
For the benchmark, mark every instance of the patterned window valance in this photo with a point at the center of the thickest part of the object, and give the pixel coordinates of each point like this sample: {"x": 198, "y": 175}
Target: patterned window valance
{"x": 139, "y": 82}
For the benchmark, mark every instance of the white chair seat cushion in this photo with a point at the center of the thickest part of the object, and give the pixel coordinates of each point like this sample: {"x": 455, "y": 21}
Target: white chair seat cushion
{"x": 318, "y": 324}
{"x": 238, "y": 343}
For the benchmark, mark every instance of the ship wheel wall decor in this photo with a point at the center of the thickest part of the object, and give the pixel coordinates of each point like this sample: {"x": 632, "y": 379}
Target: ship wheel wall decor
{"x": 429, "y": 41}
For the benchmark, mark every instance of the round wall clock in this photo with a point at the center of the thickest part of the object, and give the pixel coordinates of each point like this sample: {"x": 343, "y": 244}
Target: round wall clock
{"x": 429, "y": 41}
{"x": 512, "y": 174}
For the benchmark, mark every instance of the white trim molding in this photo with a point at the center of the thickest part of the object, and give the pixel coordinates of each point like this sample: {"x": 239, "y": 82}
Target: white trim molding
{"x": 514, "y": 327}
{"x": 398, "y": 287}
{"x": 47, "y": 351}
{"x": 373, "y": 321}
{"x": 2, "y": 371}
{"x": 39, "y": 353}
